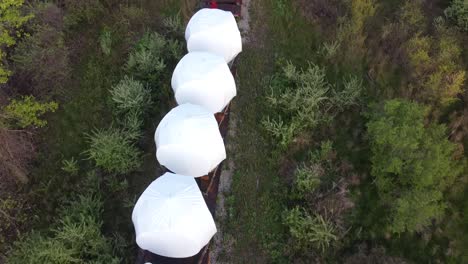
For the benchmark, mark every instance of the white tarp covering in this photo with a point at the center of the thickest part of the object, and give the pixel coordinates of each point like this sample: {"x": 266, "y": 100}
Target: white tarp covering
{"x": 214, "y": 31}
{"x": 188, "y": 141}
{"x": 203, "y": 79}
{"x": 171, "y": 218}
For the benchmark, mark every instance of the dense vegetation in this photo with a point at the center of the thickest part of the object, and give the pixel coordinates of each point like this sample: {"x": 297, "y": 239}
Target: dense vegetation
{"x": 353, "y": 149}
{"x": 350, "y": 129}
{"x": 83, "y": 85}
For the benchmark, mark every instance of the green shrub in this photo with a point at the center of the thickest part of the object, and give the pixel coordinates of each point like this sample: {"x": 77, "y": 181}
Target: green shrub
{"x": 26, "y": 112}
{"x": 76, "y": 239}
{"x": 150, "y": 57}
{"x": 130, "y": 95}
{"x": 435, "y": 65}
{"x": 82, "y": 12}
{"x": 105, "y": 41}
{"x": 306, "y": 179}
{"x": 309, "y": 231}
{"x": 174, "y": 24}
{"x": 114, "y": 151}
{"x": 303, "y": 99}
{"x": 70, "y": 166}
{"x": 45, "y": 47}
{"x": 412, "y": 164}
{"x": 350, "y": 94}
{"x": 458, "y": 12}
{"x": 132, "y": 123}
{"x": 298, "y": 96}
{"x": 14, "y": 214}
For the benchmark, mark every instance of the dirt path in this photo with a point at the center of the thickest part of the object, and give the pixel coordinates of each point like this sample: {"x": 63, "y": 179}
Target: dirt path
{"x": 221, "y": 244}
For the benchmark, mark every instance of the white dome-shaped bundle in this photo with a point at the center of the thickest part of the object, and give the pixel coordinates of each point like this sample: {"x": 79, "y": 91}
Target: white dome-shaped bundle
{"x": 188, "y": 141}
{"x": 215, "y": 31}
{"x": 171, "y": 218}
{"x": 203, "y": 79}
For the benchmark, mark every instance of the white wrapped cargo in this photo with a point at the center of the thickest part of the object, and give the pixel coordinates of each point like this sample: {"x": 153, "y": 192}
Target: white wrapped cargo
{"x": 215, "y": 31}
{"x": 171, "y": 218}
{"x": 188, "y": 141}
{"x": 203, "y": 79}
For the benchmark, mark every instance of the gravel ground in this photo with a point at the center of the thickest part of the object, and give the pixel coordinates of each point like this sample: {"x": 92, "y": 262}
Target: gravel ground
{"x": 221, "y": 245}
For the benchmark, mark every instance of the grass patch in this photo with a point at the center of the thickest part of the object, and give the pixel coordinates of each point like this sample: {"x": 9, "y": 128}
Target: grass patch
{"x": 258, "y": 195}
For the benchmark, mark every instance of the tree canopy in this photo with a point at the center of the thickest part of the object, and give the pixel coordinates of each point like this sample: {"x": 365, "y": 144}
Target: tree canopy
{"x": 411, "y": 162}
{"x": 11, "y": 20}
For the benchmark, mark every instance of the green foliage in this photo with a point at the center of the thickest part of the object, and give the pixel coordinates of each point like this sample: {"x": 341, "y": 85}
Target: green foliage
{"x": 307, "y": 179}
{"x": 45, "y": 47}
{"x": 434, "y": 64}
{"x": 458, "y": 12}
{"x": 350, "y": 94}
{"x": 304, "y": 99}
{"x": 76, "y": 239}
{"x": 131, "y": 99}
{"x": 130, "y": 95}
{"x": 299, "y": 97}
{"x": 361, "y": 10}
{"x": 114, "y": 151}
{"x": 351, "y": 33}
{"x": 27, "y": 111}
{"x": 309, "y": 231}
{"x": 411, "y": 162}
{"x": 83, "y": 12}
{"x": 13, "y": 215}
{"x": 412, "y": 16}
{"x": 12, "y": 19}
{"x": 174, "y": 24}
{"x": 132, "y": 122}
{"x": 149, "y": 58}
{"x": 70, "y": 166}
{"x": 105, "y": 41}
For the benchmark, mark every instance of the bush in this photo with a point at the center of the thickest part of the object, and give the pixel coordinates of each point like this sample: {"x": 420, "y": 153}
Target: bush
{"x": 11, "y": 20}
{"x": 105, "y": 41}
{"x": 435, "y": 65}
{"x": 150, "y": 57}
{"x": 412, "y": 164}
{"x": 70, "y": 166}
{"x": 76, "y": 239}
{"x": 114, "y": 151}
{"x": 303, "y": 99}
{"x": 174, "y": 25}
{"x": 26, "y": 112}
{"x": 14, "y": 214}
{"x": 82, "y": 12}
{"x": 458, "y": 12}
{"x": 45, "y": 47}
{"x": 307, "y": 179}
{"x": 309, "y": 231}
{"x": 130, "y": 95}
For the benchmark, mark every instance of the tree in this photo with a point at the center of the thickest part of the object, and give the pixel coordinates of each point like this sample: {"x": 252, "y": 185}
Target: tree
{"x": 26, "y": 112}
{"x": 411, "y": 162}
{"x": 11, "y": 20}
{"x": 45, "y": 47}
{"x": 114, "y": 151}
{"x": 436, "y": 70}
{"x": 458, "y": 12}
